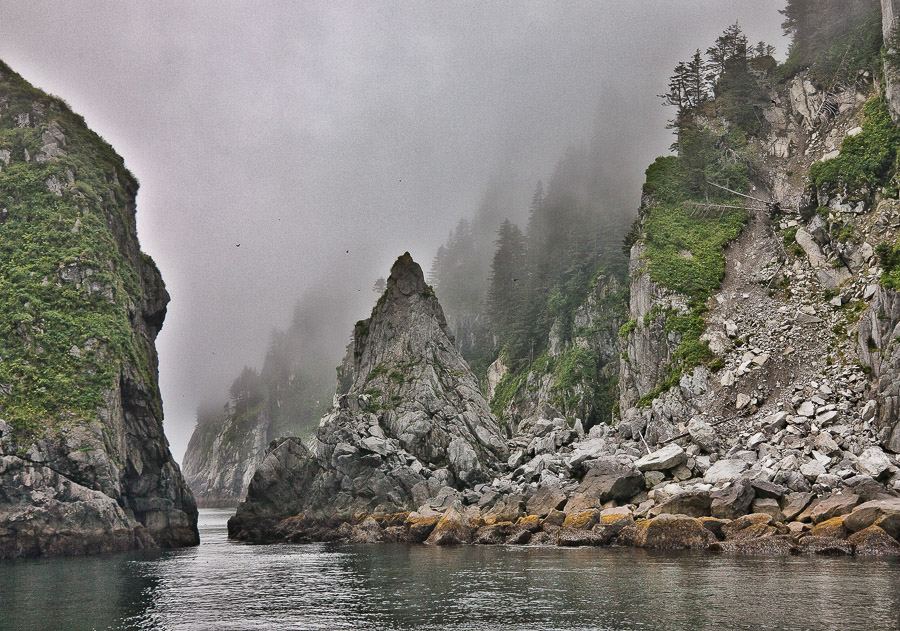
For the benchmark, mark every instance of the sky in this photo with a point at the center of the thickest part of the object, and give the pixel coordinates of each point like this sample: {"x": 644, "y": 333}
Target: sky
{"x": 296, "y": 148}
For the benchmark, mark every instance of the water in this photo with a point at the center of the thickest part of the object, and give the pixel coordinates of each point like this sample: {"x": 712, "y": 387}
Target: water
{"x": 226, "y": 585}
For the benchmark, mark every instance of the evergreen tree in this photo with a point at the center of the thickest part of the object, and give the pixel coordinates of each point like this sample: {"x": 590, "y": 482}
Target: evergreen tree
{"x": 688, "y": 89}
{"x": 730, "y": 46}
{"x": 438, "y": 267}
{"x": 506, "y": 297}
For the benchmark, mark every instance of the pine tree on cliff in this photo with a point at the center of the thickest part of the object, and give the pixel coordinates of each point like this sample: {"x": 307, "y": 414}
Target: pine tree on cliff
{"x": 507, "y": 294}
{"x": 730, "y": 46}
{"x": 688, "y": 88}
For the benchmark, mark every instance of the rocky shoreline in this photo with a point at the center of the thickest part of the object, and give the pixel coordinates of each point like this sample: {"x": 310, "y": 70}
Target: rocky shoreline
{"x": 745, "y": 515}
{"x": 424, "y": 463}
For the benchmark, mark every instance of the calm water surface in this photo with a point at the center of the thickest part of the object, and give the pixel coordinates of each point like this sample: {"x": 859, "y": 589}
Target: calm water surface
{"x": 225, "y": 585}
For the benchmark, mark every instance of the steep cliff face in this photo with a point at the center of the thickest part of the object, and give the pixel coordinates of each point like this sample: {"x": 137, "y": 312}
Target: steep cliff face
{"x": 84, "y": 464}
{"x": 409, "y": 420}
{"x": 878, "y": 348}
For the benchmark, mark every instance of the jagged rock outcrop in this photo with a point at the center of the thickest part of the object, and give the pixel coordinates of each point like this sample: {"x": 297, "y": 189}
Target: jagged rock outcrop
{"x": 409, "y": 420}
{"x": 879, "y": 332}
{"x": 84, "y": 463}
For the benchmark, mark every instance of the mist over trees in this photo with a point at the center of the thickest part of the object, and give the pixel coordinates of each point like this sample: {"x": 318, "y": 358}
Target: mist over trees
{"x": 296, "y": 383}
{"x": 502, "y": 287}
{"x": 834, "y": 39}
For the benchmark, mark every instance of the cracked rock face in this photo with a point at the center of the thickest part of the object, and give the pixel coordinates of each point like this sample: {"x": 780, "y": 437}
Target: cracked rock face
{"x": 409, "y": 419}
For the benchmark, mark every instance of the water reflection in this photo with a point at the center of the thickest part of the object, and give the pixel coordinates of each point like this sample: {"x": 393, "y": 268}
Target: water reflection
{"x": 78, "y": 593}
{"x": 224, "y": 585}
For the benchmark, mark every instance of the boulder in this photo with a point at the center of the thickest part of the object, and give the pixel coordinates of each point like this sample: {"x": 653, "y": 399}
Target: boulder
{"x": 420, "y": 526}
{"x": 584, "y": 520}
{"x": 764, "y": 488}
{"x": 873, "y": 541}
{"x": 554, "y": 519}
{"x": 833, "y": 505}
{"x": 663, "y": 459}
{"x": 453, "y": 528}
{"x": 368, "y": 531}
{"x": 867, "y": 488}
{"x": 531, "y": 523}
{"x": 753, "y": 520}
{"x": 547, "y": 498}
{"x": 495, "y": 534}
{"x": 812, "y": 470}
{"x": 732, "y": 501}
{"x": 833, "y": 527}
{"x": 606, "y": 479}
{"x": 769, "y": 506}
{"x": 691, "y": 503}
{"x": 890, "y": 524}
{"x": 668, "y": 532}
{"x": 794, "y": 503}
{"x": 614, "y": 520}
{"x": 726, "y": 470}
{"x": 873, "y": 461}
{"x": 508, "y": 508}
{"x": 868, "y": 513}
{"x": 703, "y": 435}
{"x": 572, "y": 537}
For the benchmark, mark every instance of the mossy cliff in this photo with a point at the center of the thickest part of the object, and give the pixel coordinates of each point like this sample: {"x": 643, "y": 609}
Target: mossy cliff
{"x": 84, "y": 463}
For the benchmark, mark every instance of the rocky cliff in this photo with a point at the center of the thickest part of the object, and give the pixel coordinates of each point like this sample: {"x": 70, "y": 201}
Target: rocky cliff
{"x": 409, "y": 423}
{"x": 84, "y": 464}
{"x": 757, "y": 398}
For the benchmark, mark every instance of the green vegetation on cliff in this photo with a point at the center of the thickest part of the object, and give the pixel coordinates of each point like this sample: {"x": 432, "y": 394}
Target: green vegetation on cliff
{"x": 684, "y": 247}
{"x": 867, "y": 160}
{"x": 68, "y": 285}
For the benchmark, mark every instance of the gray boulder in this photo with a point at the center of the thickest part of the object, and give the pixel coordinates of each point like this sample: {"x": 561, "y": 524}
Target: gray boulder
{"x": 663, "y": 459}
{"x": 607, "y": 479}
{"x": 703, "y": 435}
{"x": 726, "y": 470}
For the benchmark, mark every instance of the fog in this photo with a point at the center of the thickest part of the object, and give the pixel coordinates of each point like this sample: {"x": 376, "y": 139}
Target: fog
{"x": 297, "y": 148}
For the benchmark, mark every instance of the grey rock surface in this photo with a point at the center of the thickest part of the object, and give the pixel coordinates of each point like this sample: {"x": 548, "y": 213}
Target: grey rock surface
{"x": 403, "y": 376}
